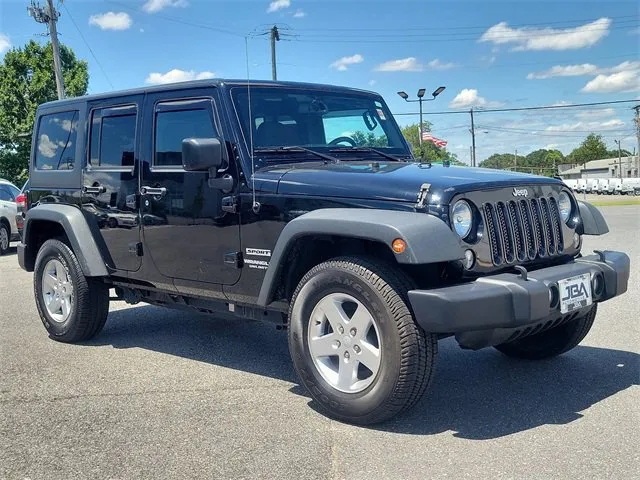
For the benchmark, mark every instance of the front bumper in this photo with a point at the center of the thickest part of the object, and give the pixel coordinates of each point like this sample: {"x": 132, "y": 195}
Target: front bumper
{"x": 494, "y": 309}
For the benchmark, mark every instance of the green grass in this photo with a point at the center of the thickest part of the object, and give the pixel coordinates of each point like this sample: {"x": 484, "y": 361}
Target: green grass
{"x": 616, "y": 203}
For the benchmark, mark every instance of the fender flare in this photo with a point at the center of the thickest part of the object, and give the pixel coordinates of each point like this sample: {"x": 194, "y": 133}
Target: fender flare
{"x": 78, "y": 232}
{"x": 593, "y": 223}
{"x": 429, "y": 239}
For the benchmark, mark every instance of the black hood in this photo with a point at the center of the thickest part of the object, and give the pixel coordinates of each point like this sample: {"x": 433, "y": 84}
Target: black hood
{"x": 392, "y": 181}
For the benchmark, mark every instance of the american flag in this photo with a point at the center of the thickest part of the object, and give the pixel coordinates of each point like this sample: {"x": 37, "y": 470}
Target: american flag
{"x": 438, "y": 142}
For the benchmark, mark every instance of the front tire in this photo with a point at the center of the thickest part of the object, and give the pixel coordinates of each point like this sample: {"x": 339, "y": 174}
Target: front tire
{"x": 5, "y": 238}
{"x": 553, "y": 342}
{"x": 72, "y": 307}
{"x": 354, "y": 343}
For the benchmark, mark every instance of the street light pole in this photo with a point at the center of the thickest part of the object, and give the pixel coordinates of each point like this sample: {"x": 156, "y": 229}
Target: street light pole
{"x": 420, "y": 140}
{"x": 421, "y": 99}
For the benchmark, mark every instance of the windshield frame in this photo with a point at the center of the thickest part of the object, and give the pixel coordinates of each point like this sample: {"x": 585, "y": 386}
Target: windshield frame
{"x": 402, "y": 150}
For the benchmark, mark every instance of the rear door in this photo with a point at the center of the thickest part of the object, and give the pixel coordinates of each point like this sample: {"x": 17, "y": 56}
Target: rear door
{"x": 8, "y": 209}
{"x": 110, "y": 177}
{"x": 185, "y": 230}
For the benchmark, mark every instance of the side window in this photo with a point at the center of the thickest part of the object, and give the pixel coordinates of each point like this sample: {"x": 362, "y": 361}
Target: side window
{"x": 56, "y": 142}
{"x": 5, "y": 195}
{"x": 113, "y": 137}
{"x": 172, "y": 127}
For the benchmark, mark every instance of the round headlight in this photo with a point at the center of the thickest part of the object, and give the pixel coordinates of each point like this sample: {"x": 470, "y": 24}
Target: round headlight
{"x": 462, "y": 218}
{"x": 564, "y": 206}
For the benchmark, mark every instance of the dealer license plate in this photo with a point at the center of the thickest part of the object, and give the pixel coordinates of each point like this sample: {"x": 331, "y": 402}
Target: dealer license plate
{"x": 575, "y": 293}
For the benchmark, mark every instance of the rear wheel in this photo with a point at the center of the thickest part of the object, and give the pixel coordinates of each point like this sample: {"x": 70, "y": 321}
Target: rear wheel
{"x": 553, "y": 342}
{"x": 72, "y": 307}
{"x": 354, "y": 343}
{"x": 5, "y": 237}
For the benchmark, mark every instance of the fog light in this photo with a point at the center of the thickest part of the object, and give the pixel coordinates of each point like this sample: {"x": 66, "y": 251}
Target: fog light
{"x": 597, "y": 285}
{"x": 469, "y": 259}
{"x": 554, "y": 296}
{"x": 576, "y": 240}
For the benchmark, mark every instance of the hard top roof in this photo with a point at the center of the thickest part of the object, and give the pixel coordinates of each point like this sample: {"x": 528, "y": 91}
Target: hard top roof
{"x": 217, "y": 82}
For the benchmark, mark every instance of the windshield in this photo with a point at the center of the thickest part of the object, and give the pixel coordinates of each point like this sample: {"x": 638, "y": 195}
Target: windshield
{"x": 317, "y": 119}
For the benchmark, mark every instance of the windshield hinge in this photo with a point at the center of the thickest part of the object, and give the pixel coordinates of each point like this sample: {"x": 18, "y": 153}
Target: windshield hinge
{"x": 422, "y": 195}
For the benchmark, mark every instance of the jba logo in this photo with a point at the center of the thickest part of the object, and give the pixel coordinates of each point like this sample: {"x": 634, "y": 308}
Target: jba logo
{"x": 574, "y": 291}
{"x": 520, "y": 192}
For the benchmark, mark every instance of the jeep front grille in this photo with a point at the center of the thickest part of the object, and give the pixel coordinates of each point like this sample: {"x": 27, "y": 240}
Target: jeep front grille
{"x": 521, "y": 230}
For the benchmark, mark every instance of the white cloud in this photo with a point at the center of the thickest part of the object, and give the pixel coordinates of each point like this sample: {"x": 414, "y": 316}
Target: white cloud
{"x": 596, "y": 113}
{"x": 111, "y": 21}
{"x": 153, "y": 6}
{"x": 527, "y": 38}
{"x": 343, "y": 63}
{"x": 372, "y": 83}
{"x": 468, "y": 97}
{"x": 627, "y": 81}
{"x": 5, "y": 43}
{"x": 65, "y": 124}
{"x": 584, "y": 69}
{"x": 565, "y": 71}
{"x": 409, "y": 64}
{"x": 177, "y": 75}
{"x": 299, "y": 14}
{"x": 278, "y": 5}
{"x": 436, "y": 64}
{"x": 586, "y": 126}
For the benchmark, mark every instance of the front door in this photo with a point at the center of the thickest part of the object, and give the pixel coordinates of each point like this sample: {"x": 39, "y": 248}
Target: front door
{"x": 185, "y": 231}
{"x": 110, "y": 178}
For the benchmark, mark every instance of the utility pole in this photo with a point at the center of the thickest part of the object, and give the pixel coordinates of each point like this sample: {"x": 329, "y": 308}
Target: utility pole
{"x": 473, "y": 139}
{"x": 49, "y": 16}
{"x": 637, "y": 121}
{"x": 275, "y": 37}
{"x": 619, "y": 157}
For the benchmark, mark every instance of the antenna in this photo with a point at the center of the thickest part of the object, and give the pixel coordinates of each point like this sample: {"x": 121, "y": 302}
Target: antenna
{"x": 255, "y": 205}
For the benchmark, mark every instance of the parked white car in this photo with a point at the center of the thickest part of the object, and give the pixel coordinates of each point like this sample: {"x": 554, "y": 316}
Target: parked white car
{"x": 8, "y": 212}
{"x": 630, "y": 186}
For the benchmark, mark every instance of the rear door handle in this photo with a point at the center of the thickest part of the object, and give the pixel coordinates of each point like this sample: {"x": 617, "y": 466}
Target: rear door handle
{"x": 153, "y": 191}
{"x": 97, "y": 189}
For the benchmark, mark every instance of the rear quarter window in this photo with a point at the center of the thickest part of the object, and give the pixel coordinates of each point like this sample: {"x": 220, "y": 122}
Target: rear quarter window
{"x": 56, "y": 141}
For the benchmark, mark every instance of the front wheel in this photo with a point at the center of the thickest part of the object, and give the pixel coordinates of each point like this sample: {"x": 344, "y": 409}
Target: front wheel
{"x": 5, "y": 237}
{"x": 72, "y": 307}
{"x": 553, "y": 342}
{"x": 354, "y": 343}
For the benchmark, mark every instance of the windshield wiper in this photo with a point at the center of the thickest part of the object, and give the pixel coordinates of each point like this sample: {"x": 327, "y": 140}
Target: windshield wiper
{"x": 366, "y": 149}
{"x": 296, "y": 149}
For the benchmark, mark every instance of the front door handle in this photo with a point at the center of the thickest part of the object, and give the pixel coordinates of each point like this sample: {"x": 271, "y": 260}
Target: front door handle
{"x": 92, "y": 189}
{"x": 153, "y": 191}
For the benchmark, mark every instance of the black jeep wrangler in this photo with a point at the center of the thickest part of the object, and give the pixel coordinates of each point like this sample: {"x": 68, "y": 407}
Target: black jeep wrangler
{"x": 302, "y": 204}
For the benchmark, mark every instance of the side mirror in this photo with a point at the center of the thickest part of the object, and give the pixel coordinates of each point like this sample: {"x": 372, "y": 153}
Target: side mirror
{"x": 201, "y": 154}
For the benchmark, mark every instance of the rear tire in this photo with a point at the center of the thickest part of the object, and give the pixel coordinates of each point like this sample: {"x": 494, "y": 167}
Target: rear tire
{"x": 5, "y": 237}
{"x": 553, "y": 342}
{"x": 362, "y": 292}
{"x": 72, "y": 307}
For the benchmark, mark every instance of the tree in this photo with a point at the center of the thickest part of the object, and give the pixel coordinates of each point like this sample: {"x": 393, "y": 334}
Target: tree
{"x": 541, "y": 162}
{"x": 19, "y": 98}
{"x": 428, "y": 151}
{"x": 369, "y": 139}
{"x": 592, "y": 148}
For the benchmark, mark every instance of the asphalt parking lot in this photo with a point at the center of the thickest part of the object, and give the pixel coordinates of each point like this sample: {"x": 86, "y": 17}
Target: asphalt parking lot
{"x": 160, "y": 394}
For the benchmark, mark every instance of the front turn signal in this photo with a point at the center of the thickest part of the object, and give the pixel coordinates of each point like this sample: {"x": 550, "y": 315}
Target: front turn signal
{"x": 399, "y": 245}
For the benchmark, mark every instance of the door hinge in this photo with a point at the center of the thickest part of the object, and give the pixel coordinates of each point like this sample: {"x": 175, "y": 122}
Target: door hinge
{"x": 233, "y": 259}
{"x": 229, "y": 204}
{"x": 135, "y": 249}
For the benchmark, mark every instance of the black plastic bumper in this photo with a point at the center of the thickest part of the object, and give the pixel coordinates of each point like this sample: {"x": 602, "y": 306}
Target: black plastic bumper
{"x": 21, "y": 256}
{"x": 508, "y": 301}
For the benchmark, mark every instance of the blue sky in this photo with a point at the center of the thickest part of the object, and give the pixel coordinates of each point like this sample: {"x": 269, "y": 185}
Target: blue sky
{"x": 488, "y": 54}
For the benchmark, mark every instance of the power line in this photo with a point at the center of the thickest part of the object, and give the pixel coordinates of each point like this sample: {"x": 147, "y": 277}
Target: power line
{"x": 519, "y": 109}
{"x": 477, "y": 27}
{"x": 181, "y": 21}
{"x": 472, "y": 36}
{"x": 88, "y": 47}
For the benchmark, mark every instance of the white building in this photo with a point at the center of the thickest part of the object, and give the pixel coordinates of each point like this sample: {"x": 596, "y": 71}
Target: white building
{"x": 605, "y": 168}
